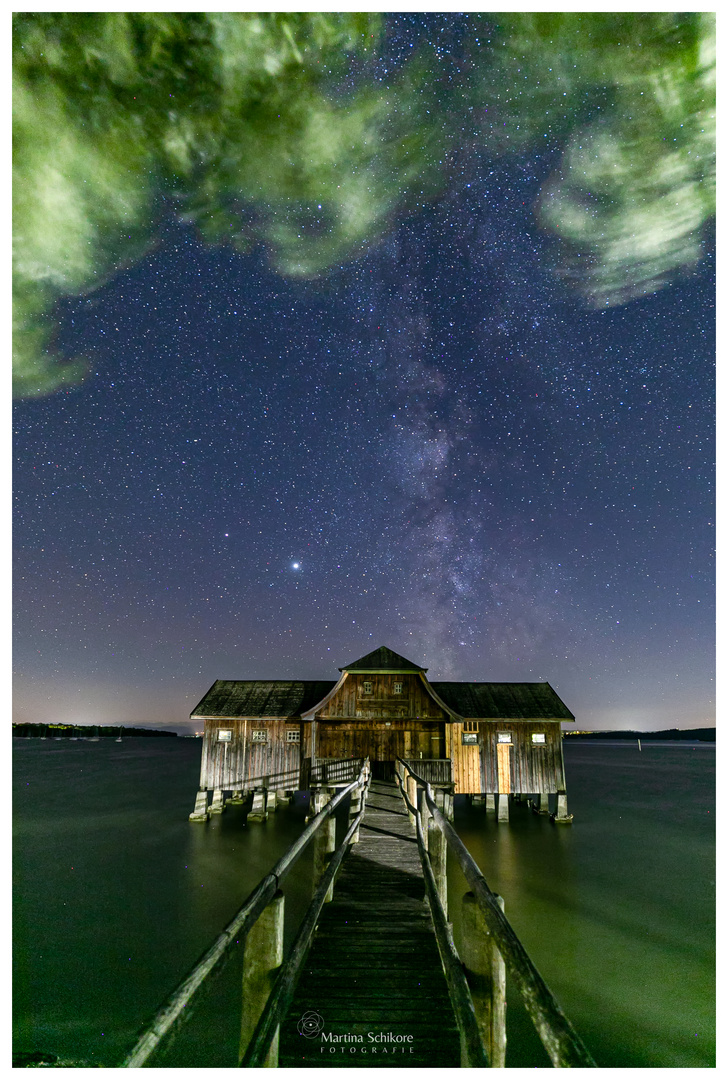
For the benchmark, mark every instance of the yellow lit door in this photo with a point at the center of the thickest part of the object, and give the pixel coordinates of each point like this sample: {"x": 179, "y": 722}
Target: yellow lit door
{"x": 504, "y": 768}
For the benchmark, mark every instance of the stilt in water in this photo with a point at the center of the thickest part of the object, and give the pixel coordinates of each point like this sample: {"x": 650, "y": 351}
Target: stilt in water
{"x": 217, "y": 805}
{"x": 562, "y": 814}
{"x": 502, "y": 807}
{"x": 200, "y": 811}
{"x": 259, "y": 811}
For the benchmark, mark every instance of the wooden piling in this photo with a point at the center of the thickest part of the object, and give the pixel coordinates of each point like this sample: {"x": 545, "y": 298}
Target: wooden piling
{"x": 324, "y": 844}
{"x": 486, "y": 974}
{"x": 437, "y": 851}
{"x": 262, "y": 958}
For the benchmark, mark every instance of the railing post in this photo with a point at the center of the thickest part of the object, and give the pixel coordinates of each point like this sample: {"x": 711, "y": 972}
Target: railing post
{"x": 262, "y": 958}
{"x": 355, "y": 807}
{"x": 411, "y": 785}
{"x": 324, "y": 843}
{"x": 486, "y": 974}
{"x": 437, "y": 851}
{"x": 425, "y": 815}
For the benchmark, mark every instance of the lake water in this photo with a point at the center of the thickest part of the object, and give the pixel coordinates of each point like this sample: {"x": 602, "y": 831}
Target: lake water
{"x": 117, "y": 894}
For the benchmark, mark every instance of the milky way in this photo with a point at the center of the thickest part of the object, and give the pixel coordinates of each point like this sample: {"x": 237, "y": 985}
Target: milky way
{"x": 438, "y": 447}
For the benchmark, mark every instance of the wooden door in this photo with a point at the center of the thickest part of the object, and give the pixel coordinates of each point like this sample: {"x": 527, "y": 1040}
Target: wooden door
{"x": 504, "y": 768}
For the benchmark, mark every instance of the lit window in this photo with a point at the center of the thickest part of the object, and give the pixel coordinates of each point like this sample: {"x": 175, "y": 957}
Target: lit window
{"x": 505, "y": 737}
{"x": 469, "y": 738}
{"x": 367, "y": 688}
{"x": 260, "y": 736}
{"x": 398, "y": 688}
{"x": 224, "y": 736}
{"x": 293, "y": 736}
{"x": 538, "y": 737}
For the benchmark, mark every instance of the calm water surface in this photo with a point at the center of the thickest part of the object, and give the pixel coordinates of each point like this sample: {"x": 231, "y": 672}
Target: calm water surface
{"x": 117, "y": 894}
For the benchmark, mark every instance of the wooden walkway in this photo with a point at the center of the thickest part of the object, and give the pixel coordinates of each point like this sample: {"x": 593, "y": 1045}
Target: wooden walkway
{"x": 374, "y": 965}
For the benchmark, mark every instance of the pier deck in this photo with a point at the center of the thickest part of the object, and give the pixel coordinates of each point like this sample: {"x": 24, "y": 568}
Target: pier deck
{"x": 374, "y": 965}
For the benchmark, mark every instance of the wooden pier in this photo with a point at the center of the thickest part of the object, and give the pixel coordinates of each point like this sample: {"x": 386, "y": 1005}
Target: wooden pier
{"x": 373, "y": 976}
{"x": 374, "y": 966}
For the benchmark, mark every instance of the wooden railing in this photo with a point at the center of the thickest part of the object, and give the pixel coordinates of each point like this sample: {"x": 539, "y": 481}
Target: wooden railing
{"x": 433, "y": 770}
{"x": 435, "y": 836}
{"x": 259, "y": 922}
{"x": 335, "y": 770}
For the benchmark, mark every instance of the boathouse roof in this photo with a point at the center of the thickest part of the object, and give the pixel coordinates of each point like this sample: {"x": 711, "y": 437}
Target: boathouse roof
{"x": 503, "y": 701}
{"x": 384, "y": 660}
{"x": 283, "y": 698}
{"x": 289, "y": 699}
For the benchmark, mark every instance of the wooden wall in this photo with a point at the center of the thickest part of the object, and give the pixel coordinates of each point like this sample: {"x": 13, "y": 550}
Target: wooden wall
{"x": 341, "y": 738}
{"x": 533, "y": 768}
{"x": 242, "y": 763}
{"x": 382, "y": 703}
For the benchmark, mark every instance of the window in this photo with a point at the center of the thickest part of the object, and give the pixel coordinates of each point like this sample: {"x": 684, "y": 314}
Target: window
{"x": 470, "y": 738}
{"x": 470, "y": 725}
{"x": 260, "y": 736}
{"x": 505, "y": 737}
{"x": 367, "y": 688}
{"x": 398, "y": 688}
{"x": 224, "y": 736}
{"x": 293, "y": 736}
{"x": 538, "y": 737}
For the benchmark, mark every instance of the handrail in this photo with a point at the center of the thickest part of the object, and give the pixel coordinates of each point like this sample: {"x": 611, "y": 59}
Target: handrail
{"x": 474, "y": 1054}
{"x": 284, "y": 987}
{"x": 175, "y": 1009}
{"x": 555, "y": 1030}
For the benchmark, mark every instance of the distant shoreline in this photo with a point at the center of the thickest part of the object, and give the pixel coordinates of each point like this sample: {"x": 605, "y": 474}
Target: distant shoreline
{"x": 666, "y": 735}
{"x": 85, "y": 731}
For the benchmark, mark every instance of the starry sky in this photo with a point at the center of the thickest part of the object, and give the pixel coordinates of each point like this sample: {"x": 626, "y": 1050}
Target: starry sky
{"x": 436, "y": 447}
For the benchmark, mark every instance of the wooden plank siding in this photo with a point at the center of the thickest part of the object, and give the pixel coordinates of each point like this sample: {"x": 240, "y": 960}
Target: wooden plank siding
{"x": 365, "y": 717}
{"x": 352, "y": 699}
{"x": 242, "y": 763}
{"x": 533, "y": 768}
{"x": 363, "y": 738}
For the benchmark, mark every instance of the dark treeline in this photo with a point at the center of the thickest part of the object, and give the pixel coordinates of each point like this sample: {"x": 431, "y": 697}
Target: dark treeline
{"x": 703, "y": 734}
{"x": 77, "y": 731}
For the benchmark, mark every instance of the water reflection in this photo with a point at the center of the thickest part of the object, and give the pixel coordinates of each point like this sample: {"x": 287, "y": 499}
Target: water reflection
{"x": 281, "y": 129}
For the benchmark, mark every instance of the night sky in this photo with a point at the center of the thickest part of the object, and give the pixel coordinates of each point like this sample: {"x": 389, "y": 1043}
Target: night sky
{"x": 438, "y": 447}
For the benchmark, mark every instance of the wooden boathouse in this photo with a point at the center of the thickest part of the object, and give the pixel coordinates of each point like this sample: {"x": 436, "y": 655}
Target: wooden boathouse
{"x": 487, "y": 740}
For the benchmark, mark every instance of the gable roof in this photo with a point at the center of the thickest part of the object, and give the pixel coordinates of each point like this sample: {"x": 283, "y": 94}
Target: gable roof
{"x": 503, "y": 701}
{"x": 272, "y": 697}
{"x": 382, "y": 659}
